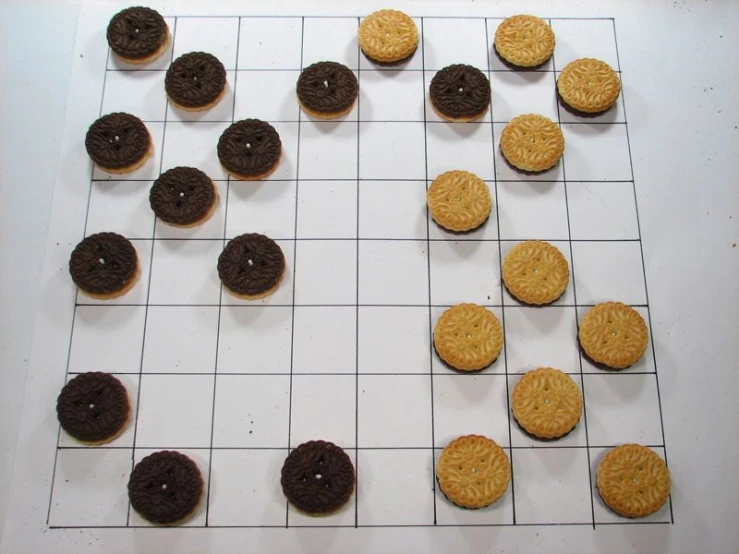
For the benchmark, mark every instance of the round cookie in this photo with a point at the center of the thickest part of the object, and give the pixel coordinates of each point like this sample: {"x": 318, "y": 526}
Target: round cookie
{"x": 459, "y": 201}
{"x": 195, "y": 82}
{"x": 138, "y": 35}
{"x": 327, "y": 90}
{"x": 251, "y": 266}
{"x": 633, "y": 480}
{"x": 460, "y": 93}
{"x": 118, "y": 143}
{"x": 588, "y": 87}
{"x": 613, "y": 334}
{"x": 524, "y": 41}
{"x": 93, "y": 408}
{"x": 468, "y": 337}
{"x": 318, "y": 478}
{"x": 250, "y": 149}
{"x": 104, "y": 266}
{"x": 473, "y": 471}
{"x": 166, "y": 488}
{"x": 535, "y": 272}
{"x": 546, "y": 403}
{"x": 532, "y": 143}
{"x": 388, "y": 37}
{"x": 183, "y": 197}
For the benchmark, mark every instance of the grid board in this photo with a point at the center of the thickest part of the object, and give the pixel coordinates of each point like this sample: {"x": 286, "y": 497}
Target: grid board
{"x": 343, "y": 351}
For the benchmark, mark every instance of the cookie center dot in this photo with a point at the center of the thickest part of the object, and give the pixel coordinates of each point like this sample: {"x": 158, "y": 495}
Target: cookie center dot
{"x": 164, "y": 486}
{"x": 325, "y": 84}
{"x": 91, "y": 406}
{"x": 182, "y": 195}
{"x": 101, "y": 261}
{"x": 319, "y": 476}
{"x": 250, "y": 262}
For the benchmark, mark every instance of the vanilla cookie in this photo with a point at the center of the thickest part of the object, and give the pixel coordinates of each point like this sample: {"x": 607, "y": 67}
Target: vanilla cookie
{"x": 613, "y": 334}
{"x": 459, "y": 200}
{"x": 468, "y": 337}
{"x": 524, "y": 41}
{"x": 532, "y": 142}
{"x": 535, "y": 272}
{"x": 388, "y": 37}
{"x": 588, "y": 86}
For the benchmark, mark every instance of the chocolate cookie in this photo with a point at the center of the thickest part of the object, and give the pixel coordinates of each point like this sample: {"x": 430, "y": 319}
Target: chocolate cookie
{"x": 460, "y": 93}
{"x": 250, "y": 149}
{"x": 251, "y": 266}
{"x": 327, "y": 90}
{"x": 138, "y": 35}
{"x": 93, "y": 407}
{"x": 318, "y": 477}
{"x": 104, "y": 265}
{"x": 195, "y": 81}
{"x": 118, "y": 143}
{"x": 165, "y": 487}
{"x": 183, "y": 197}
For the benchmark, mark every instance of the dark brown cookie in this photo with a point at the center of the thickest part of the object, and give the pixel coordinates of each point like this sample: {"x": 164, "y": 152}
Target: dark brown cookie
{"x": 165, "y": 487}
{"x": 460, "y": 93}
{"x": 318, "y": 477}
{"x": 250, "y": 149}
{"x": 93, "y": 407}
{"x": 195, "y": 81}
{"x": 104, "y": 265}
{"x": 251, "y": 266}
{"x": 138, "y": 35}
{"x": 327, "y": 90}
{"x": 118, "y": 142}
{"x": 183, "y": 197}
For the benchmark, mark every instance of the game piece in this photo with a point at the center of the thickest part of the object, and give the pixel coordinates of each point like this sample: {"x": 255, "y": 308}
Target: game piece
{"x": 588, "y": 87}
{"x": 459, "y": 201}
{"x": 613, "y": 334}
{"x": 166, "y": 488}
{"x": 327, "y": 90}
{"x": 251, "y": 266}
{"x": 535, "y": 272}
{"x": 532, "y": 143}
{"x": 460, "y": 93}
{"x": 473, "y": 471}
{"x": 104, "y": 266}
{"x": 546, "y": 403}
{"x": 250, "y": 149}
{"x": 93, "y": 408}
{"x": 633, "y": 480}
{"x": 183, "y": 197}
{"x": 388, "y": 37}
{"x": 468, "y": 337}
{"x": 118, "y": 143}
{"x": 318, "y": 478}
{"x": 195, "y": 82}
{"x": 524, "y": 41}
{"x": 138, "y": 35}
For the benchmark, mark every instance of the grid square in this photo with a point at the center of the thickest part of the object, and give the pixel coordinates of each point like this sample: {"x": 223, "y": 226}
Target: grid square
{"x": 465, "y": 271}
{"x": 215, "y": 35}
{"x": 568, "y": 297}
{"x": 180, "y": 339}
{"x": 261, "y": 207}
{"x": 273, "y": 46}
{"x": 449, "y": 41}
{"x": 135, "y": 92}
{"x": 147, "y": 172}
{"x": 122, "y": 207}
{"x": 330, "y": 38}
{"x": 520, "y": 92}
{"x": 252, "y": 497}
{"x": 193, "y": 144}
{"x": 593, "y": 38}
{"x": 533, "y": 210}
{"x": 181, "y": 420}
{"x": 609, "y": 271}
{"x": 596, "y": 152}
{"x": 394, "y": 411}
{"x": 413, "y": 63}
{"x": 283, "y": 296}
{"x": 254, "y": 339}
{"x": 117, "y": 333}
{"x": 392, "y": 209}
{"x": 252, "y": 99}
{"x": 222, "y": 111}
{"x": 390, "y": 493}
{"x": 384, "y": 336}
{"x": 393, "y": 272}
{"x": 542, "y": 337}
{"x": 470, "y": 405}
{"x": 251, "y": 411}
{"x": 552, "y": 485}
{"x": 602, "y": 211}
{"x": 400, "y": 146}
{"x": 392, "y": 95}
{"x": 323, "y": 407}
{"x": 210, "y": 229}
{"x": 460, "y": 146}
{"x": 184, "y": 272}
{"x": 324, "y": 339}
{"x": 495, "y": 63}
{"x": 623, "y": 408}
{"x": 505, "y": 172}
{"x": 328, "y": 150}
{"x": 327, "y": 209}
{"x": 90, "y": 487}
{"x": 461, "y": 129}
{"x": 326, "y": 272}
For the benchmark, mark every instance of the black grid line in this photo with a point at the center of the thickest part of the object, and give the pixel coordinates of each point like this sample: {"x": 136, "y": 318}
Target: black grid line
{"x": 349, "y": 120}
{"x": 447, "y": 373}
{"x": 356, "y": 311}
{"x": 419, "y": 180}
{"x": 369, "y": 448}
{"x": 246, "y": 306}
{"x": 290, "y": 70}
{"x": 372, "y": 239}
